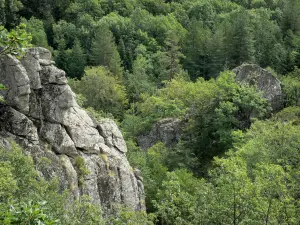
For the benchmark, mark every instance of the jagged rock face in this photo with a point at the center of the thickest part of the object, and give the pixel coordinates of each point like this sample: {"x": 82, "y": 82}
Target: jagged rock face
{"x": 252, "y": 74}
{"x": 41, "y": 114}
{"x": 166, "y": 131}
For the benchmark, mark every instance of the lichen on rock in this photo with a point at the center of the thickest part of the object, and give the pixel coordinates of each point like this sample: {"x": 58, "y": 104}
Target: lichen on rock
{"x": 265, "y": 81}
{"x": 41, "y": 114}
{"x": 167, "y": 131}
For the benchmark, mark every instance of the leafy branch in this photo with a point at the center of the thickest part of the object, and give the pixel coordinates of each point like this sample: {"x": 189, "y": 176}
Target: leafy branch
{"x": 14, "y": 41}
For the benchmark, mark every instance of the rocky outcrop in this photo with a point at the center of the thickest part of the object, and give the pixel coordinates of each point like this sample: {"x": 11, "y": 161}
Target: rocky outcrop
{"x": 265, "y": 81}
{"x": 41, "y": 114}
{"x": 166, "y": 131}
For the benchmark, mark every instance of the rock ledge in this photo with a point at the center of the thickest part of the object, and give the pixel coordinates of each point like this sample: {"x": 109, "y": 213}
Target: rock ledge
{"x": 41, "y": 114}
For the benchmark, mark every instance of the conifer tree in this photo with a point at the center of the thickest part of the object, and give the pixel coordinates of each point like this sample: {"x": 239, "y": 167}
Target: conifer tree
{"x": 36, "y": 28}
{"x": 61, "y": 56}
{"x": 77, "y": 61}
{"x": 104, "y": 51}
{"x": 238, "y": 38}
{"x": 8, "y": 12}
{"x": 173, "y": 53}
{"x": 291, "y": 16}
{"x": 139, "y": 81}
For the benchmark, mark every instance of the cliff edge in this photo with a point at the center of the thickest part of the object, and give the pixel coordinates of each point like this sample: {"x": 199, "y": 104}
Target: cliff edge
{"x": 41, "y": 114}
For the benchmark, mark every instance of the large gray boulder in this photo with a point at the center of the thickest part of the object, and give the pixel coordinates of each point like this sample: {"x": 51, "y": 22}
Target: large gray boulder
{"x": 166, "y": 131}
{"x": 265, "y": 81}
{"x": 41, "y": 114}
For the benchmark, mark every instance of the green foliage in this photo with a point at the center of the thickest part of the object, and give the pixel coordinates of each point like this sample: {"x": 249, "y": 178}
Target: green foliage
{"x": 199, "y": 37}
{"x": 72, "y": 60}
{"x": 60, "y": 56}
{"x": 233, "y": 187}
{"x": 146, "y": 51}
{"x": 152, "y": 165}
{"x": 136, "y": 156}
{"x": 82, "y": 169}
{"x": 291, "y": 88}
{"x": 289, "y": 114}
{"x": 27, "y": 213}
{"x": 104, "y": 51}
{"x": 176, "y": 202}
{"x": 213, "y": 34}
{"x": 125, "y": 215}
{"x": 9, "y": 12}
{"x": 139, "y": 81}
{"x": 101, "y": 90}
{"x": 173, "y": 53}
{"x": 291, "y": 15}
{"x": 14, "y": 41}
{"x": 99, "y": 114}
{"x": 23, "y": 178}
{"x": 177, "y": 98}
{"x": 270, "y": 155}
{"x": 27, "y": 198}
{"x": 238, "y": 41}
{"x": 133, "y": 125}
{"x": 254, "y": 184}
{"x": 269, "y": 49}
{"x": 36, "y": 28}
{"x": 233, "y": 108}
{"x": 83, "y": 211}
{"x": 8, "y": 183}
{"x": 213, "y": 110}
{"x": 76, "y": 61}
{"x": 64, "y": 31}
{"x": 79, "y": 8}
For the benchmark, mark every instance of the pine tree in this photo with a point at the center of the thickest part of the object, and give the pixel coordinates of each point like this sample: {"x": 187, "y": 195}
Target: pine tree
{"x": 238, "y": 40}
{"x": 197, "y": 50}
{"x": 36, "y": 28}
{"x": 122, "y": 50}
{"x": 76, "y": 61}
{"x": 139, "y": 81}
{"x": 173, "y": 53}
{"x": 104, "y": 51}
{"x": 291, "y": 16}
{"x": 61, "y": 55}
{"x": 115, "y": 64}
{"x": 9, "y": 13}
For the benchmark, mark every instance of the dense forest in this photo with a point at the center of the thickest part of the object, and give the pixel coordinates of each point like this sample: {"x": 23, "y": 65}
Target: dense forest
{"x": 141, "y": 61}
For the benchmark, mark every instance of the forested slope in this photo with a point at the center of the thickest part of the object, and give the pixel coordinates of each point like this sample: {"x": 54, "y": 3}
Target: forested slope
{"x": 201, "y": 37}
{"x": 140, "y": 62}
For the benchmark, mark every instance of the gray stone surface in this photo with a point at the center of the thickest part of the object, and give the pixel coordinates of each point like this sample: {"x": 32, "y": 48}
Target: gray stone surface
{"x": 265, "y": 81}
{"x": 18, "y": 124}
{"x": 33, "y": 68}
{"x": 41, "y": 114}
{"x": 14, "y": 76}
{"x": 166, "y": 130}
{"x": 53, "y": 75}
{"x": 58, "y": 138}
{"x": 112, "y": 135}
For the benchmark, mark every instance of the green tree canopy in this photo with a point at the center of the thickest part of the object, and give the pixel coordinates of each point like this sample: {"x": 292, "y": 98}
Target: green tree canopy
{"x": 102, "y": 91}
